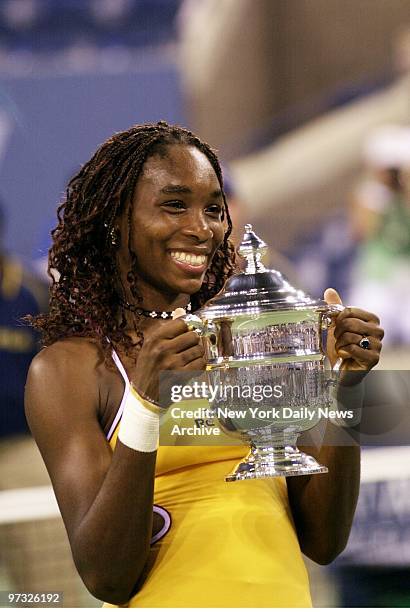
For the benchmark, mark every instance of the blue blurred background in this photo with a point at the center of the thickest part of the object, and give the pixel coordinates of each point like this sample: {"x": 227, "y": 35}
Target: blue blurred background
{"x": 308, "y": 104}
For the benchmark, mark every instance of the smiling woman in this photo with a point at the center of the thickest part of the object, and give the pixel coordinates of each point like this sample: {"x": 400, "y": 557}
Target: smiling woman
{"x": 142, "y": 234}
{"x": 177, "y": 213}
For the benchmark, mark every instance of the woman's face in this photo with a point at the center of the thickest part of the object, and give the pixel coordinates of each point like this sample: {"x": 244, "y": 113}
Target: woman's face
{"x": 176, "y": 223}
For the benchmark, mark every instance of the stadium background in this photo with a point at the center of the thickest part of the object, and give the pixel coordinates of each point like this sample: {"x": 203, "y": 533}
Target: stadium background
{"x": 289, "y": 92}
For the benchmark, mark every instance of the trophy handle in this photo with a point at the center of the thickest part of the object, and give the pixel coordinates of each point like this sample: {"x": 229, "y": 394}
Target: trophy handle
{"x": 205, "y": 330}
{"x": 195, "y": 324}
{"x": 326, "y": 313}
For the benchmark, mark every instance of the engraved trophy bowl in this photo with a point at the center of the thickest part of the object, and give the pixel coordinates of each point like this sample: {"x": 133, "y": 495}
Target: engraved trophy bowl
{"x": 260, "y": 333}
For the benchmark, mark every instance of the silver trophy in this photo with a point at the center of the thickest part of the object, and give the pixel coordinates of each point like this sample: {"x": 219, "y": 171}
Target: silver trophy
{"x": 261, "y": 333}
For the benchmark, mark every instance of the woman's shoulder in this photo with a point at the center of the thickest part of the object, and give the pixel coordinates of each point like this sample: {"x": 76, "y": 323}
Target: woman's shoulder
{"x": 67, "y": 364}
{"x": 70, "y": 354}
{"x": 64, "y": 379}
{"x": 73, "y": 371}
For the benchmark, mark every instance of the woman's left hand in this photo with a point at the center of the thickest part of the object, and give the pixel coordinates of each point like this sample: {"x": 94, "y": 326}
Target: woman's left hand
{"x": 349, "y": 327}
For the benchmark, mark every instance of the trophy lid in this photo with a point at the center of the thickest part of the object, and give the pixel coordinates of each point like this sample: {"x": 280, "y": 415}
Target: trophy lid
{"x": 256, "y": 289}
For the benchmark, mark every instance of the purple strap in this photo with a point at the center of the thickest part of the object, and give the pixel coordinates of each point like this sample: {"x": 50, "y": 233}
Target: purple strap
{"x": 167, "y": 523}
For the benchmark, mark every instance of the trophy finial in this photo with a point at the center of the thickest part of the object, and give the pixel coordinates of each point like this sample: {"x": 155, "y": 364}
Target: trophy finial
{"x": 252, "y": 248}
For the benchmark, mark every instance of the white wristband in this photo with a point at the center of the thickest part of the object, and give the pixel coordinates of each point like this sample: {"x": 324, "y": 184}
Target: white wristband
{"x": 139, "y": 428}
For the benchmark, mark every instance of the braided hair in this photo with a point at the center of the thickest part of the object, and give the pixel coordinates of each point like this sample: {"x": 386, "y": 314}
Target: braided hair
{"x": 83, "y": 299}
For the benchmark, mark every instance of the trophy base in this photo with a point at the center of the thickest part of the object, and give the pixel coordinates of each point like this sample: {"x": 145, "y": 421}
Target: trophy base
{"x": 272, "y": 462}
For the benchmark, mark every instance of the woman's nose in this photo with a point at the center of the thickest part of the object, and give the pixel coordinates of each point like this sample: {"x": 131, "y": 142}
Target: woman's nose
{"x": 198, "y": 227}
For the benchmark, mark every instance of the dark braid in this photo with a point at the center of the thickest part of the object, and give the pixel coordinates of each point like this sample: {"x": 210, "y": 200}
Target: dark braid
{"x": 84, "y": 301}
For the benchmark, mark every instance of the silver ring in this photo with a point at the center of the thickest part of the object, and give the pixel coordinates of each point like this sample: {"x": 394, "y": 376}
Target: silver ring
{"x": 365, "y": 343}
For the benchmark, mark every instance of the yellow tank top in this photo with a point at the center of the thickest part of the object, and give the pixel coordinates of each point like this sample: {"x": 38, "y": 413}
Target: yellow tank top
{"x": 227, "y": 544}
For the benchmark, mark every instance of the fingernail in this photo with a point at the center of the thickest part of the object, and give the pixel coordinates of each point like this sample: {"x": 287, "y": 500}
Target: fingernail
{"x": 178, "y": 312}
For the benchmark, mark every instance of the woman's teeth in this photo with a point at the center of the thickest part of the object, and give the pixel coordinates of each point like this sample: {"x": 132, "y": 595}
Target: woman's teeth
{"x": 189, "y": 258}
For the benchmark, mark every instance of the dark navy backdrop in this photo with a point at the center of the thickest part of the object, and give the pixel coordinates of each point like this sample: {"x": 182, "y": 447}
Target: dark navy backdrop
{"x": 55, "y": 124}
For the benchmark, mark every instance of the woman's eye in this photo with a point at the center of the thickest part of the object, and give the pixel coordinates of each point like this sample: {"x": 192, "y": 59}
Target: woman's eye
{"x": 174, "y": 205}
{"x": 214, "y": 209}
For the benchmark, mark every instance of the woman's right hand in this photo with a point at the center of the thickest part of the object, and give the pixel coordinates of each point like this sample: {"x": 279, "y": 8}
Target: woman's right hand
{"x": 169, "y": 346}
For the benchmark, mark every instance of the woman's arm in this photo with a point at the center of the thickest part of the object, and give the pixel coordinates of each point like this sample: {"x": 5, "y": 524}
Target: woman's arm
{"x": 105, "y": 497}
{"x": 107, "y": 516}
{"x": 323, "y": 505}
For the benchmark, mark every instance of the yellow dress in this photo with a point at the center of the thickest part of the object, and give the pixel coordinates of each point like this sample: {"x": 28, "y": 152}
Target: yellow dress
{"x": 228, "y": 544}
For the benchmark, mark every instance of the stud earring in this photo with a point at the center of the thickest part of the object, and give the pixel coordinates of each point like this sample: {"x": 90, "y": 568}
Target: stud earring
{"x": 114, "y": 237}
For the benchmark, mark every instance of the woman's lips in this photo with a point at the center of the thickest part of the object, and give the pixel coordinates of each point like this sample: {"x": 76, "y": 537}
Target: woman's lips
{"x": 189, "y": 262}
